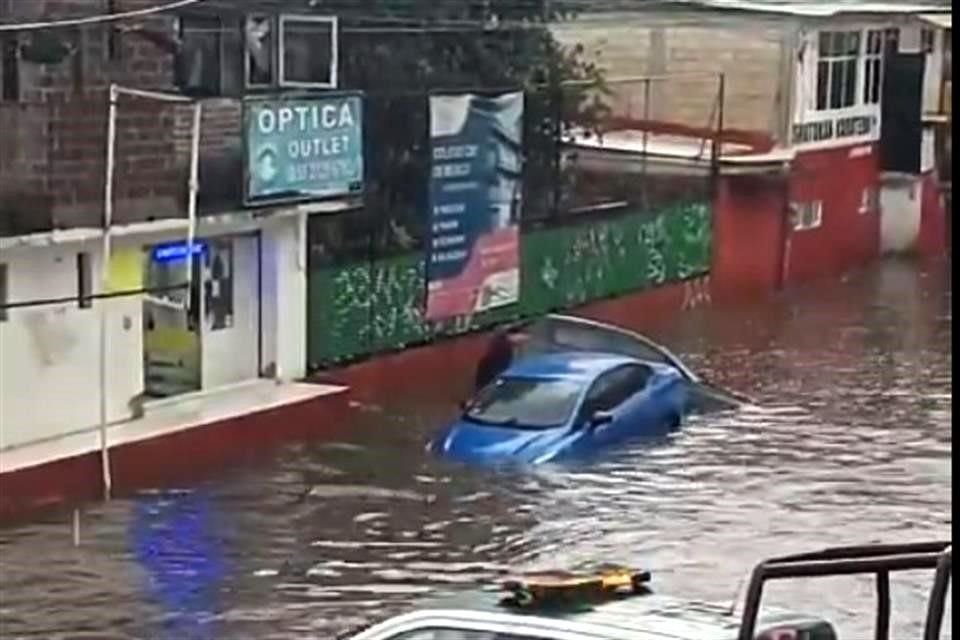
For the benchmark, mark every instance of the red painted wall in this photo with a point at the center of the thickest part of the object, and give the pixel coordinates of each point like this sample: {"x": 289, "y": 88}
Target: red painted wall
{"x": 748, "y": 233}
{"x": 449, "y": 365}
{"x": 847, "y": 238}
{"x": 186, "y": 456}
{"x": 933, "y": 240}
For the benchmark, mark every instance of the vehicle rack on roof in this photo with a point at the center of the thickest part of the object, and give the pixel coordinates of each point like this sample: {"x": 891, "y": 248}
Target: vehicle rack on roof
{"x": 880, "y": 559}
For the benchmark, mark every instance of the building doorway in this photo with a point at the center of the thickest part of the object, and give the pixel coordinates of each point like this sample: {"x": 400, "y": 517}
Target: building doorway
{"x": 901, "y": 125}
{"x": 208, "y": 336}
{"x": 171, "y": 329}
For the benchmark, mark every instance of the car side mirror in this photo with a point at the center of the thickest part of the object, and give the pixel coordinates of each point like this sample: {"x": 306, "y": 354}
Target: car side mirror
{"x": 600, "y": 418}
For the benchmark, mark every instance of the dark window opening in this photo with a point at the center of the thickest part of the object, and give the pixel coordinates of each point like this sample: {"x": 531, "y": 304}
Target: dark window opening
{"x": 259, "y": 47}
{"x": 823, "y": 88}
{"x": 78, "y": 61}
{"x": 891, "y": 40}
{"x": 807, "y": 215}
{"x": 199, "y": 63}
{"x": 84, "y": 281}
{"x": 223, "y": 57}
{"x": 209, "y": 62}
{"x": 114, "y": 50}
{"x": 927, "y": 40}
{"x": 873, "y": 67}
{"x": 9, "y": 68}
{"x": 3, "y": 292}
{"x": 308, "y": 51}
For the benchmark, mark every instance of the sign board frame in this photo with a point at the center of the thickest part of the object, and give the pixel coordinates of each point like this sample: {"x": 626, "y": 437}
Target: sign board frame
{"x": 248, "y": 102}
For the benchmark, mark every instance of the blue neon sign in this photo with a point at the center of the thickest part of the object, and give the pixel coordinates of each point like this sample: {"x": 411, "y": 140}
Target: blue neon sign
{"x": 174, "y": 251}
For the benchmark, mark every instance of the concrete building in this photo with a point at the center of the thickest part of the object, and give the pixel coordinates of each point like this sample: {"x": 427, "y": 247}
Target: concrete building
{"x": 130, "y": 306}
{"x": 830, "y": 118}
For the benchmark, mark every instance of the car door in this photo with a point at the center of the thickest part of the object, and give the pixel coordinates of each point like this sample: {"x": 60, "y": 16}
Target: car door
{"x": 617, "y": 392}
{"x": 656, "y": 408}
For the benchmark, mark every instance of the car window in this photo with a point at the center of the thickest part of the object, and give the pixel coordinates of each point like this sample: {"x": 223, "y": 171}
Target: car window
{"x": 611, "y": 389}
{"x": 525, "y": 403}
{"x": 457, "y": 634}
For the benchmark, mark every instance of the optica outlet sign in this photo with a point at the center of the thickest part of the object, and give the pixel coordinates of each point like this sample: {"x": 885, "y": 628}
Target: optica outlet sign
{"x": 303, "y": 149}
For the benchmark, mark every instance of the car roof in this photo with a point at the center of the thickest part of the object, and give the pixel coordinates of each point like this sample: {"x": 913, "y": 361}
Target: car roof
{"x": 647, "y": 617}
{"x": 580, "y": 366}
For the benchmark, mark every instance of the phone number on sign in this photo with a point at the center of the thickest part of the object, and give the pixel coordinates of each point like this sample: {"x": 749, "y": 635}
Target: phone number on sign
{"x": 323, "y": 170}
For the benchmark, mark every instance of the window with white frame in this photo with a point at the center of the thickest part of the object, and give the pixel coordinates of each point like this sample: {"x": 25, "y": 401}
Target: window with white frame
{"x": 873, "y": 66}
{"x": 838, "y": 56}
{"x": 308, "y": 51}
{"x": 220, "y": 57}
{"x": 807, "y": 215}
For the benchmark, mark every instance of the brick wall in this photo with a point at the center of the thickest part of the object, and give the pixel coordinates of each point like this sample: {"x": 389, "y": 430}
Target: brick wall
{"x": 149, "y": 179}
{"x": 221, "y": 151}
{"x": 687, "y": 50}
{"x": 53, "y": 140}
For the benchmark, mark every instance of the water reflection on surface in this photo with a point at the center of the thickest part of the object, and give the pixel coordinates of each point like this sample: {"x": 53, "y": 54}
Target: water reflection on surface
{"x": 851, "y": 443}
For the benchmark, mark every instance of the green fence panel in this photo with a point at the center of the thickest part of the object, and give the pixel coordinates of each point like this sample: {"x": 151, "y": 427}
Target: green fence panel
{"x": 569, "y": 266}
{"x": 365, "y": 308}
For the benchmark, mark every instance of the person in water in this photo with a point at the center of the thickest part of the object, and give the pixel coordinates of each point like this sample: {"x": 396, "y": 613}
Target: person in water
{"x": 499, "y": 355}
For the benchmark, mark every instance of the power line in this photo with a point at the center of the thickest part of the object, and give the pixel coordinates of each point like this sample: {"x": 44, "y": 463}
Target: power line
{"x": 109, "y": 17}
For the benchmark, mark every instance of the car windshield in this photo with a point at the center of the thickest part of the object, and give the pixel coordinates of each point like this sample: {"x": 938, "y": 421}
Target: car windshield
{"x": 525, "y": 403}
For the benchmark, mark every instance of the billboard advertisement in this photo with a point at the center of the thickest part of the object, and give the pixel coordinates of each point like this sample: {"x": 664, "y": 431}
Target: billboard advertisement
{"x": 303, "y": 149}
{"x": 473, "y": 261}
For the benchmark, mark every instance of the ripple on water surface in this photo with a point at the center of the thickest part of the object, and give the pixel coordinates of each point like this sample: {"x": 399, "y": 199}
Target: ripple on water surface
{"x": 850, "y": 442}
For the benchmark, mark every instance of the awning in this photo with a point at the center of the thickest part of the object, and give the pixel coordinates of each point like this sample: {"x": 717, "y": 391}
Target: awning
{"x": 941, "y": 20}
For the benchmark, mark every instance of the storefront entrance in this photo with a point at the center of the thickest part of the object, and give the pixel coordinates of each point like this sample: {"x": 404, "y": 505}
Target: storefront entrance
{"x": 209, "y": 336}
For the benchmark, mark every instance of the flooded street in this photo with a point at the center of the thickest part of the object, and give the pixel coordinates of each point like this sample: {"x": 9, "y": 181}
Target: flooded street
{"x": 851, "y": 443}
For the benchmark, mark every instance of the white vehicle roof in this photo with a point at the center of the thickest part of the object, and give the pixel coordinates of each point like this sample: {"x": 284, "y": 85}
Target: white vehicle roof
{"x": 642, "y": 617}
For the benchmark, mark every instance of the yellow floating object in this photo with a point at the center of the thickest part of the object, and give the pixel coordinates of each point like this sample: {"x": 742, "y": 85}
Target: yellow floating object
{"x": 561, "y": 588}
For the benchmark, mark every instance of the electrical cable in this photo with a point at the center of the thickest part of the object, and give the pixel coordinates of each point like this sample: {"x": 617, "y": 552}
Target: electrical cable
{"x": 46, "y": 302}
{"x": 97, "y": 19}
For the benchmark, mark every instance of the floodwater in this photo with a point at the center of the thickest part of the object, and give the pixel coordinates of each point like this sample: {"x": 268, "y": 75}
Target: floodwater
{"x": 852, "y": 444}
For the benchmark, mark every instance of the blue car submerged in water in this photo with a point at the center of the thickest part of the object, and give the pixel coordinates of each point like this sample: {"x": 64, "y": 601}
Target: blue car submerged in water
{"x": 556, "y": 406}
{"x": 579, "y": 386}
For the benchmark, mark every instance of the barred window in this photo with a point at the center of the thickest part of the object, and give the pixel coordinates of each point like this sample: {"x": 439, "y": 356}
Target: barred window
{"x": 837, "y": 61}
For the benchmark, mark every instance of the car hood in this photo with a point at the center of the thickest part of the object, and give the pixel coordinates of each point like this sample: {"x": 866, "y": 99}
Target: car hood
{"x": 471, "y": 441}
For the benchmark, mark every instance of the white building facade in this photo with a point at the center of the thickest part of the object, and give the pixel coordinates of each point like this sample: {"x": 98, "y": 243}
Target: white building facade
{"x": 247, "y": 321}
